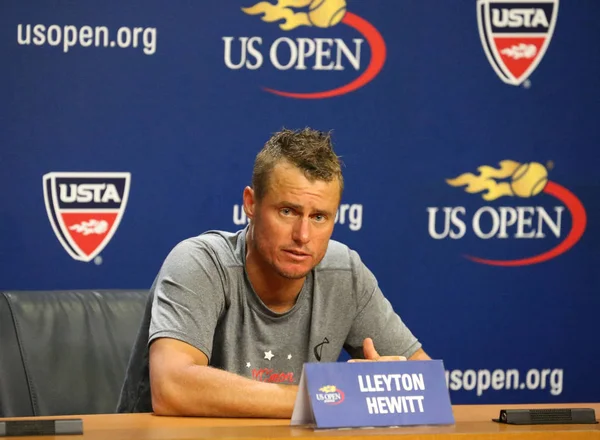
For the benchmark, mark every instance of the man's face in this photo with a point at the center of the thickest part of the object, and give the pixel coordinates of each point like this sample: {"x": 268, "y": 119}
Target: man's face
{"x": 294, "y": 220}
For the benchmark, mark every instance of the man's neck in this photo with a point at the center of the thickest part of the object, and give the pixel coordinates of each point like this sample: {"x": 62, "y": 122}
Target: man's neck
{"x": 278, "y": 293}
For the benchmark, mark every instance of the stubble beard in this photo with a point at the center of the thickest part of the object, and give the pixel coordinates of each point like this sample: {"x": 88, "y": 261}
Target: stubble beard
{"x": 288, "y": 275}
{"x": 273, "y": 264}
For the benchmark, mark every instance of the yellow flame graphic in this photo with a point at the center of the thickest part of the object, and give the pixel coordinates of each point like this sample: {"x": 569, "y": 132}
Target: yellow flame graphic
{"x": 527, "y": 180}
{"x": 322, "y": 13}
{"x": 328, "y": 389}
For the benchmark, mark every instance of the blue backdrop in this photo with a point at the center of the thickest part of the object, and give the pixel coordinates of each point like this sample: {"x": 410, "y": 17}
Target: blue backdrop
{"x": 496, "y": 272}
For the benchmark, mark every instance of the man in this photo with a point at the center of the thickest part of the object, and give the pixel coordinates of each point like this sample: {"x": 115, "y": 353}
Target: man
{"x": 232, "y": 317}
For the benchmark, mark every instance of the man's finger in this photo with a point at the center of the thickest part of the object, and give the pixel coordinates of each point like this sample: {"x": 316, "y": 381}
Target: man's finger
{"x": 380, "y": 359}
{"x": 391, "y": 358}
{"x": 369, "y": 350}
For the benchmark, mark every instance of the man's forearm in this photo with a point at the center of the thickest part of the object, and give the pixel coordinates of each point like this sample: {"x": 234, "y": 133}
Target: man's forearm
{"x": 210, "y": 392}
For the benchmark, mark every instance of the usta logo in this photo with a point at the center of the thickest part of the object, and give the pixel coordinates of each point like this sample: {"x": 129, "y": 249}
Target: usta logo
{"x": 85, "y": 209}
{"x": 515, "y": 35}
{"x": 89, "y": 192}
{"x": 511, "y": 179}
{"x": 328, "y": 53}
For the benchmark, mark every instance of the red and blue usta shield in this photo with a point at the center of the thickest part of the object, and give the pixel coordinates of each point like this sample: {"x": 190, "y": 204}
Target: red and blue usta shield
{"x": 515, "y": 35}
{"x": 85, "y": 209}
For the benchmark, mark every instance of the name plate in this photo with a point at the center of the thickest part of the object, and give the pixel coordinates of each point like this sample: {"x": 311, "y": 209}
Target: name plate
{"x": 361, "y": 394}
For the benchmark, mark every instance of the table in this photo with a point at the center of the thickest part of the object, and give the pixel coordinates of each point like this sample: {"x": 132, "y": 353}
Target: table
{"x": 472, "y": 422}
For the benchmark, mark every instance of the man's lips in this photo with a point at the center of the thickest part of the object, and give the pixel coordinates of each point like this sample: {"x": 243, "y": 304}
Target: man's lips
{"x": 296, "y": 253}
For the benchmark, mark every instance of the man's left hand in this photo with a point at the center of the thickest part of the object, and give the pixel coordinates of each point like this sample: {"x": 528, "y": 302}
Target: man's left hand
{"x": 371, "y": 354}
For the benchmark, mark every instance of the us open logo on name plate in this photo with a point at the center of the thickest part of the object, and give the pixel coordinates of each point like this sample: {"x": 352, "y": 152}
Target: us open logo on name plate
{"x": 85, "y": 209}
{"x": 330, "y": 395}
{"x": 515, "y": 35}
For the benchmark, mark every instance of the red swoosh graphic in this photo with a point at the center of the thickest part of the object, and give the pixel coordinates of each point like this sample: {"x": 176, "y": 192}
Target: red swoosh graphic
{"x": 378, "y": 54}
{"x": 341, "y": 398}
{"x": 579, "y": 222}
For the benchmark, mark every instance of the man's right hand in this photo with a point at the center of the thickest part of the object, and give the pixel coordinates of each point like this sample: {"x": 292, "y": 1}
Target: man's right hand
{"x": 183, "y": 384}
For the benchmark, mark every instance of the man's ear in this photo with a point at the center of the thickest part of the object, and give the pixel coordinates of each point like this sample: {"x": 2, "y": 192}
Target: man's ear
{"x": 249, "y": 202}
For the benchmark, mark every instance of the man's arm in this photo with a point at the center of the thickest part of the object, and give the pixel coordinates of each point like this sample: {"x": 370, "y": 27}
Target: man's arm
{"x": 183, "y": 384}
{"x": 376, "y": 323}
{"x": 189, "y": 301}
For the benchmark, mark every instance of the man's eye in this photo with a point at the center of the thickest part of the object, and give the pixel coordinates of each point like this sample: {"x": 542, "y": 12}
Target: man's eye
{"x": 286, "y": 211}
{"x": 320, "y": 218}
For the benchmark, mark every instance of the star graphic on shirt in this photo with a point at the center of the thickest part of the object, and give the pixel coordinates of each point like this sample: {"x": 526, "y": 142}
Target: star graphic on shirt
{"x": 269, "y": 355}
{"x": 248, "y": 364}
{"x": 289, "y": 356}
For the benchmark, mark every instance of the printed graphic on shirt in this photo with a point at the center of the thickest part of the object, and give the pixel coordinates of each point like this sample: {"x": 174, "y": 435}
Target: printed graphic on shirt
{"x": 265, "y": 373}
{"x": 318, "y": 349}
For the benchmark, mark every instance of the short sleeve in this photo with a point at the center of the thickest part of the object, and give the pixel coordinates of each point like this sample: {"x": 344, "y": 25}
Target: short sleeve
{"x": 188, "y": 296}
{"x": 377, "y": 319}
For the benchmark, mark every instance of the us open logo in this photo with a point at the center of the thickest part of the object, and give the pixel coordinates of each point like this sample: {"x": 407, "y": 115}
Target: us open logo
{"x": 540, "y": 217}
{"x": 294, "y": 50}
{"x": 330, "y": 395}
{"x": 85, "y": 209}
{"x": 515, "y": 35}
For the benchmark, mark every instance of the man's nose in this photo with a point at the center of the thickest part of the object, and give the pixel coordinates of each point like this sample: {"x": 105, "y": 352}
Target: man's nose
{"x": 301, "y": 232}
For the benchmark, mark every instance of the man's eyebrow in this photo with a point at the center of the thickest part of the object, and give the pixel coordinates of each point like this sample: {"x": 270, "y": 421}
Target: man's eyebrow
{"x": 291, "y": 205}
{"x": 300, "y": 208}
{"x": 327, "y": 213}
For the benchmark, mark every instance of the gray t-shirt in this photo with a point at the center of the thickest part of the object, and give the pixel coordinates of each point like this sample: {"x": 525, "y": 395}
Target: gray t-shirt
{"x": 202, "y": 296}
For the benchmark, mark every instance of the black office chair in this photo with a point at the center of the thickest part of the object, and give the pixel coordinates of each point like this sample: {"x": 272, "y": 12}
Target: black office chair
{"x": 65, "y": 352}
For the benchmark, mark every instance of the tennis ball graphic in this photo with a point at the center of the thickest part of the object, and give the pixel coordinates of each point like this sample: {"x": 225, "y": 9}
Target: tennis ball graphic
{"x": 326, "y": 13}
{"x": 529, "y": 179}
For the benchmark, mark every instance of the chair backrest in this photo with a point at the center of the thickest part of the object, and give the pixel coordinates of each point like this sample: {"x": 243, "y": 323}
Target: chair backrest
{"x": 65, "y": 352}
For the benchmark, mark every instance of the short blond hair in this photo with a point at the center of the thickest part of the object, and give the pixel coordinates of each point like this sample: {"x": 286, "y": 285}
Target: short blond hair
{"x": 309, "y": 150}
